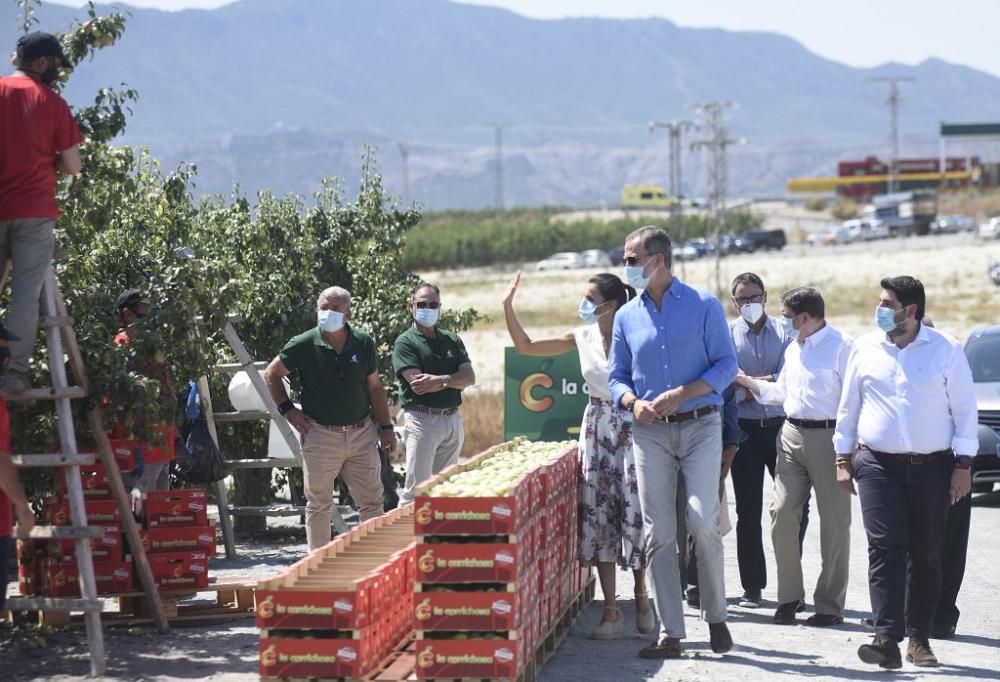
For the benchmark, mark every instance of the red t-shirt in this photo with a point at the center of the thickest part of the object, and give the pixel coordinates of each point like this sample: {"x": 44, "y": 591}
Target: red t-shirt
{"x": 35, "y": 125}
{"x": 6, "y": 508}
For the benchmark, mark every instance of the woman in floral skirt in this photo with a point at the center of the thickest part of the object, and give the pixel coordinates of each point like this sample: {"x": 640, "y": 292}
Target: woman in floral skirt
{"x": 609, "y": 515}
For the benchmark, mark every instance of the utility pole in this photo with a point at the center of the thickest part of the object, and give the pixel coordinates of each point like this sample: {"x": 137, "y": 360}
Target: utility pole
{"x": 404, "y": 152}
{"x": 675, "y": 130}
{"x": 498, "y": 192}
{"x": 893, "y": 103}
{"x": 716, "y": 143}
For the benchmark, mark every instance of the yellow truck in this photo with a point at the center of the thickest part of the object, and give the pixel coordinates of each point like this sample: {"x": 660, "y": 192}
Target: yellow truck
{"x": 646, "y": 196}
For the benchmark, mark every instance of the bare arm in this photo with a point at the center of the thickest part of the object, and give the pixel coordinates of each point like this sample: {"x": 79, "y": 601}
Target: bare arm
{"x": 273, "y": 377}
{"x": 68, "y": 161}
{"x": 380, "y": 406}
{"x": 11, "y": 487}
{"x": 555, "y": 345}
{"x": 422, "y": 384}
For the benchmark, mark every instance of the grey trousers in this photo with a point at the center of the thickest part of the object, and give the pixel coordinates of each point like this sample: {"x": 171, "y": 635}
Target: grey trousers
{"x": 29, "y": 244}
{"x": 433, "y": 443}
{"x": 662, "y": 452}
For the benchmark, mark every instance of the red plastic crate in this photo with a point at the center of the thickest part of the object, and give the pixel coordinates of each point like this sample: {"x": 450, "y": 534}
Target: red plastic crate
{"x": 99, "y": 512}
{"x": 175, "y": 508}
{"x": 111, "y": 577}
{"x": 469, "y": 611}
{"x": 95, "y": 483}
{"x": 450, "y": 658}
{"x": 108, "y": 547}
{"x": 319, "y": 658}
{"x": 179, "y": 569}
{"x": 180, "y": 539}
{"x": 317, "y": 610}
{"x": 467, "y": 563}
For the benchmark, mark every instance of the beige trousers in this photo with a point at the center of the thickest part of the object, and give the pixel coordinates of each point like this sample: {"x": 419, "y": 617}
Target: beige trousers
{"x": 806, "y": 458}
{"x": 327, "y": 453}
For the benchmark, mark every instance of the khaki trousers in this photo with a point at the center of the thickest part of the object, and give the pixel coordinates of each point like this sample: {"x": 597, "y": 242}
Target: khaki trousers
{"x": 806, "y": 458}
{"x": 327, "y": 453}
{"x": 433, "y": 442}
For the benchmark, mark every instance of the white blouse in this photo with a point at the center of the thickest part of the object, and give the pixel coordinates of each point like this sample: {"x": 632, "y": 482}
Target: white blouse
{"x": 593, "y": 360}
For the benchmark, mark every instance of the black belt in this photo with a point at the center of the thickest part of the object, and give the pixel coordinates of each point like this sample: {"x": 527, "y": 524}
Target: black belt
{"x": 913, "y": 458}
{"x": 763, "y": 423}
{"x": 688, "y": 416}
{"x": 599, "y": 401}
{"x": 812, "y": 423}
{"x": 432, "y": 410}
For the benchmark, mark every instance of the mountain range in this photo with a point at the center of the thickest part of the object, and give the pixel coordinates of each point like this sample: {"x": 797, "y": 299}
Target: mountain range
{"x": 280, "y": 93}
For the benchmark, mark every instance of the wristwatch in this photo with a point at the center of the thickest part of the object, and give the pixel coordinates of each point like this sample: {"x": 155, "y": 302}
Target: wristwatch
{"x": 630, "y": 405}
{"x": 285, "y": 407}
{"x": 445, "y": 380}
{"x": 387, "y": 427}
{"x": 963, "y": 462}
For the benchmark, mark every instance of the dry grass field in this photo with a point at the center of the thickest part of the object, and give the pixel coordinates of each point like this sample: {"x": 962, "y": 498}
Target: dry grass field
{"x": 952, "y": 267}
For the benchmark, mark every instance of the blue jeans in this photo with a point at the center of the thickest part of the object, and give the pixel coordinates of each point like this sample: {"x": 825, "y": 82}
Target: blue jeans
{"x": 905, "y": 511}
{"x": 662, "y": 453}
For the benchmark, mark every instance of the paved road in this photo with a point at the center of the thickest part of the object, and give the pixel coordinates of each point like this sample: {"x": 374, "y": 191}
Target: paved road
{"x": 765, "y": 651}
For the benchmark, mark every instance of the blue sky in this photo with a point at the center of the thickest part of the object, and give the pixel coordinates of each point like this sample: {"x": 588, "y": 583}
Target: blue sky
{"x": 855, "y": 32}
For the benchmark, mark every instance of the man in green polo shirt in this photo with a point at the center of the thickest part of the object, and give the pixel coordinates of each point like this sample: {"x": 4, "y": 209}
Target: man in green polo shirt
{"x": 341, "y": 390}
{"x": 433, "y": 368}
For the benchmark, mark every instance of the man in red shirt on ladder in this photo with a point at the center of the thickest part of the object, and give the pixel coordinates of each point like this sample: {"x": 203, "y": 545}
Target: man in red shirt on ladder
{"x": 38, "y": 136}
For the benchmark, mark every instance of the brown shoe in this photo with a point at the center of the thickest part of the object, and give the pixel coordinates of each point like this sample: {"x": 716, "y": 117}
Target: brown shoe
{"x": 721, "y": 640}
{"x": 883, "y": 651}
{"x": 918, "y": 652}
{"x": 667, "y": 647}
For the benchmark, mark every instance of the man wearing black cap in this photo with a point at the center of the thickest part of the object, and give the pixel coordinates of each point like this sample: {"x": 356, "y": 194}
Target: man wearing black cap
{"x": 154, "y": 471}
{"x": 38, "y": 136}
{"x": 11, "y": 493}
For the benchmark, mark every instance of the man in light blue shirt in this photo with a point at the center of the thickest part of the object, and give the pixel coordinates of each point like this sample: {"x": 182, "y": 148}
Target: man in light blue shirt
{"x": 672, "y": 357}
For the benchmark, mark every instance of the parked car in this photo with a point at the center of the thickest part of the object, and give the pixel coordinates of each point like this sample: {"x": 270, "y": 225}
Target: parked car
{"x": 687, "y": 252}
{"x": 702, "y": 246}
{"x": 866, "y": 229}
{"x": 764, "y": 240}
{"x": 616, "y": 255}
{"x": 983, "y": 351}
{"x": 995, "y": 273}
{"x": 950, "y": 224}
{"x": 830, "y": 235}
{"x": 734, "y": 244}
{"x": 595, "y": 258}
{"x": 565, "y": 260}
{"x": 990, "y": 229}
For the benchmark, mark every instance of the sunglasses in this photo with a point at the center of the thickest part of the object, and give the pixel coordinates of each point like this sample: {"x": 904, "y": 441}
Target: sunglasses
{"x": 749, "y": 299}
{"x": 433, "y": 305}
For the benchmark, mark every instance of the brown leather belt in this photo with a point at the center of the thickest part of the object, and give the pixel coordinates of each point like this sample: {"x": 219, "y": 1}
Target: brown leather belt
{"x": 341, "y": 428}
{"x": 812, "y": 423}
{"x": 913, "y": 458}
{"x": 688, "y": 416}
{"x": 765, "y": 423}
{"x": 599, "y": 401}
{"x": 432, "y": 410}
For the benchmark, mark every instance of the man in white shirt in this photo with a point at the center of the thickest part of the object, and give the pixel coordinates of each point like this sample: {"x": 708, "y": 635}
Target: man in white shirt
{"x": 906, "y": 432}
{"x": 808, "y": 388}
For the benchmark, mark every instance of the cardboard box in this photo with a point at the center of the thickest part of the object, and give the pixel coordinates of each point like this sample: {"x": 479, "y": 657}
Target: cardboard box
{"x": 123, "y": 451}
{"x": 451, "y": 658}
{"x": 108, "y": 547}
{"x": 99, "y": 512}
{"x": 111, "y": 577}
{"x": 163, "y": 449}
{"x": 316, "y": 610}
{"x": 180, "y": 539}
{"x": 468, "y": 563}
{"x": 175, "y": 508}
{"x": 468, "y": 611}
{"x": 473, "y": 515}
{"x": 177, "y": 570}
{"x": 319, "y": 658}
{"x": 95, "y": 483}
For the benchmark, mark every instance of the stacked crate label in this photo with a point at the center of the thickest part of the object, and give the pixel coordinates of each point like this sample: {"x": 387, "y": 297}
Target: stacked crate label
{"x": 178, "y": 537}
{"x": 494, "y": 566}
{"x": 341, "y": 610}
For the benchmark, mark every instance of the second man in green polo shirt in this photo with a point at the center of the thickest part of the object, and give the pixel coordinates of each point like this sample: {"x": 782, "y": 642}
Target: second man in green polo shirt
{"x": 433, "y": 368}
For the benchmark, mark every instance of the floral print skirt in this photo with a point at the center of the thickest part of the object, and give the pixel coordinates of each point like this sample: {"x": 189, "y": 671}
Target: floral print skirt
{"x": 607, "y": 490}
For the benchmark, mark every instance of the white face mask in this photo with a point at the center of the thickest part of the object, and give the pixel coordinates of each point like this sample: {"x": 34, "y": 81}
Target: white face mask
{"x": 330, "y": 320}
{"x": 427, "y": 317}
{"x": 752, "y": 312}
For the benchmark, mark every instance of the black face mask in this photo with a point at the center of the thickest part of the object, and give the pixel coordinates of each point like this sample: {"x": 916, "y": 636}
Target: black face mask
{"x": 4, "y": 357}
{"x": 50, "y": 75}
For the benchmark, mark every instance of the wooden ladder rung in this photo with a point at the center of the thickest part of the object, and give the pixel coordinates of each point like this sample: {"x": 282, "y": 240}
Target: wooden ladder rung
{"x": 234, "y": 367}
{"x": 66, "y": 532}
{"x": 244, "y": 416}
{"x": 51, "y": 321}
{"x": 53, "y": 604}
{"x": 46, "y": 393}
{"x": 54, "y": 460}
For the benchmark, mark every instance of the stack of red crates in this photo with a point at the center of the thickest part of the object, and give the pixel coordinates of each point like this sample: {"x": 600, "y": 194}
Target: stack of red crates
{"x": 341, "y": 610}
{"x": 49, "y": 567}
{"x": 178, "y": 537}
{"x": 494, "y": 574}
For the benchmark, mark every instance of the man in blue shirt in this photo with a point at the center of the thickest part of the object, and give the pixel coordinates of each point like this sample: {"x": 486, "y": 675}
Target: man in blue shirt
{"x": 672, "y": 357}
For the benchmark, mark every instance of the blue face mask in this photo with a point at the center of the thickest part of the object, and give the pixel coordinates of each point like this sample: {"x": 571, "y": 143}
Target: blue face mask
{"x": 588, "y": 311}
{"x": 427, "y": 317}
{"x": 789, "y": 329}
{"x": 330, "y": 320}
{"x": 885, "y": 319}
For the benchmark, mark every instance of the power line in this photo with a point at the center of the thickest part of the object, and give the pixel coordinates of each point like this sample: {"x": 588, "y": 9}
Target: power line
{"x": 893, "y": 103}
{"x": 404, "y": 152}
{"x": 675, "y": 129}
{"x": 498, "y": 190}
{"x": 717, "y": 142}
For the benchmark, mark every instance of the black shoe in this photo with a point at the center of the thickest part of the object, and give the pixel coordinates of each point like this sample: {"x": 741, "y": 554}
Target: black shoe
{"x": 824, "y": 620}
{"x": 694, "y": 598}
{"x": 868, "y": 623}
{"x": 883, "y": 651}
{"x": 667, "y": 647}
{"x": 721, "y": 640}
{"x": 802, "y": 607}
{"x": 785, "y": 615}
{"x": 750, "y": 599}
{"x": 943, "y": 632}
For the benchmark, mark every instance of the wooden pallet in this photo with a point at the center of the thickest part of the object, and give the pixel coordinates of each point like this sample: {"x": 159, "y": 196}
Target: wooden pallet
{"x": 232, "y": 600}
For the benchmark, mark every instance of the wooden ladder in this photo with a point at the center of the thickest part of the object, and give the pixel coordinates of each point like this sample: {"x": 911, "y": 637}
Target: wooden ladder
{"x": 226, "y": 511}
{"x": 61, "y": 343}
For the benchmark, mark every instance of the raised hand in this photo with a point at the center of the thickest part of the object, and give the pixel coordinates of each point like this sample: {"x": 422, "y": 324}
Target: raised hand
{"x": 508, "y": 296}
